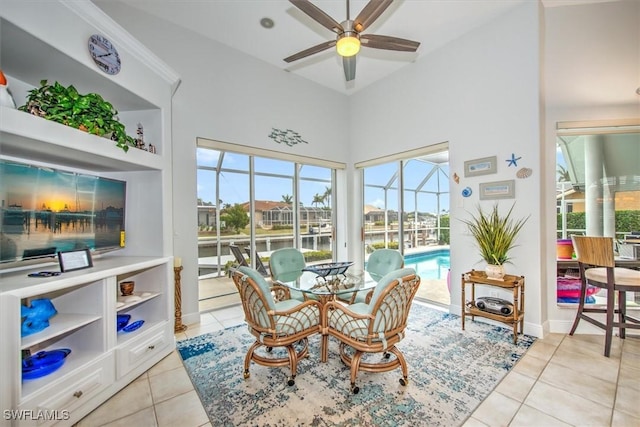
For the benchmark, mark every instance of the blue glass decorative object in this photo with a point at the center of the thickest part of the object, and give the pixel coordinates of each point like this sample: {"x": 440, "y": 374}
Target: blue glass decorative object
{"x": 43, "y": 363}
{"x": 123, "y": 320}
{"x": 133, "y": 326}
{"x": 36, "y": 316}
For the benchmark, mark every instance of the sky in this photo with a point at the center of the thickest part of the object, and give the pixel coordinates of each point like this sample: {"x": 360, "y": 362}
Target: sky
{"x": 274, "y": 179}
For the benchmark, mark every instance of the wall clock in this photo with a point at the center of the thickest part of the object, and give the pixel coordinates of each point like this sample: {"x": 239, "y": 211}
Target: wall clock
{"x": 104, "y": 54}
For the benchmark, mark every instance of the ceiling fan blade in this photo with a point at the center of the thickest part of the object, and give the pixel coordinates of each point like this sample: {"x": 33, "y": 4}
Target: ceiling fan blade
{"x": 308, "y": 52}
{"x": 349, "y": 65}
{"x": 370, "y": 13}
{"x": 318, "y": 15}
{"x": 389, "y": 43}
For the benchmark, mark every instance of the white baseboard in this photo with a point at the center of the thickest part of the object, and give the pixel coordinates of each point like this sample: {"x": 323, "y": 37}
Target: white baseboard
{"x": 191, "y": 318}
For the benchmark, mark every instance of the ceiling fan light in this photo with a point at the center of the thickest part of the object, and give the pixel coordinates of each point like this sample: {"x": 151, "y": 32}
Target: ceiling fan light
{"x": 348, "y": 46}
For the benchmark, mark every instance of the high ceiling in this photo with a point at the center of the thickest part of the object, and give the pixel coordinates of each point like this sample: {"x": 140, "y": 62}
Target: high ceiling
{"x": 236, "y": 23}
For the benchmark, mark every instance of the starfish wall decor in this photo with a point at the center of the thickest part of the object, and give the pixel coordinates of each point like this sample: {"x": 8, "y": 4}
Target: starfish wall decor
{"x": 513, "y": 161}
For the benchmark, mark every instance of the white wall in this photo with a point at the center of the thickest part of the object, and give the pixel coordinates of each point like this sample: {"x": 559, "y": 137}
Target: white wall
{"x": 481, "y": 93}
{"x": 228, "y": 96}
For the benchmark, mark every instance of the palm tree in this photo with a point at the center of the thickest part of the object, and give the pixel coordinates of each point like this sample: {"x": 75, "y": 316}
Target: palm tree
{"x": 327, "y": 196}
{"x": 287, "y": 198}
{"x": 563, "y": 174}
{"x": 317, "y": 199}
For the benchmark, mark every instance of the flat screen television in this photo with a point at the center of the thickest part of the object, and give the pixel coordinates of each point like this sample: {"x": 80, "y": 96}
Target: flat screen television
{"x": 44, "y": 211}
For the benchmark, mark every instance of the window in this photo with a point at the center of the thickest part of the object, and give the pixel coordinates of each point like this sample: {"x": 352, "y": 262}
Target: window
{"x": 264, "y": 203}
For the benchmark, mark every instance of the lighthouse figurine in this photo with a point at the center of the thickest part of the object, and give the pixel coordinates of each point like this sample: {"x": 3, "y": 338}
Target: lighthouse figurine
{"x": 6, "y": 99}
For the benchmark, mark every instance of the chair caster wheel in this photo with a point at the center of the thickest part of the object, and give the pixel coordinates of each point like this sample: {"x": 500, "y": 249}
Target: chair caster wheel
{"x": 246, "y": 374}
{"x": 355, "y": 389}
{"x": 404, "y": 381}
{"x": 291, "y": 382}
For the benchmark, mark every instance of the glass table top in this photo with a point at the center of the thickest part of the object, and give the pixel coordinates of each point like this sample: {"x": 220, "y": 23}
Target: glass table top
{"x": 308, "y": 281}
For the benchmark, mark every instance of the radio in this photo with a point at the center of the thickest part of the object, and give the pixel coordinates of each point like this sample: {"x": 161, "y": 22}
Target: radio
{"x": 495, "y": 305}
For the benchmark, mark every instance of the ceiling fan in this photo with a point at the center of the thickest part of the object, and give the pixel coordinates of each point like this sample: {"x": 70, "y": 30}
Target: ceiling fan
{"x": 349, "y": 34}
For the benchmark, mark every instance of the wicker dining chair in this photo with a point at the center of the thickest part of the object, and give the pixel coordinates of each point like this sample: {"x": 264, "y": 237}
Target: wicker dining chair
{"x": 375, "y": 327}
{"x": 597, "y": 267}
{"x": 275, "y": 322}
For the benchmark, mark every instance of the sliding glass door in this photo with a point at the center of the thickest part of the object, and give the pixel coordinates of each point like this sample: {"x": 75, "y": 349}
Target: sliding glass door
{"x": 406, "y": 207}
{"x": 264, "y": 204}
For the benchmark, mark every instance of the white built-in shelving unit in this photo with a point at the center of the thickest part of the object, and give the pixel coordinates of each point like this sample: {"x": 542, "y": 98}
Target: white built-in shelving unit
{"x": 48, "y": 40}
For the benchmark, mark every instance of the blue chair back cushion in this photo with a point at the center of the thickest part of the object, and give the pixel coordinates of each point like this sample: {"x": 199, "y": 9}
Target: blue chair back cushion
{"x": 383, "y": 261}
{"x": 286, "y": 264}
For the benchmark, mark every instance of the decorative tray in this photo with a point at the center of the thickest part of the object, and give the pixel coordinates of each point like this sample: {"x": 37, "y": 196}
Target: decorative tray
{"x": 329, "y": 269}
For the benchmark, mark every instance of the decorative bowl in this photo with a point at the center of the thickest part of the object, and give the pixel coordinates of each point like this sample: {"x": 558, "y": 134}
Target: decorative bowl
{"x": 126, "y": 288}
{"x": 43, "y": 363}
{"x": 329, "y": 268}
{"x": 123, "y": 320}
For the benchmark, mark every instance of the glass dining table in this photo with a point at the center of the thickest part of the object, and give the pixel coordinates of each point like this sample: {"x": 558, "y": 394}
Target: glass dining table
{"x": 327, "y": 282}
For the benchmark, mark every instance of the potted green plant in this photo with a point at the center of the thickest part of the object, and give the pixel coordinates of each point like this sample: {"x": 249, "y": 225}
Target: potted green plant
{"x": 495, "y": 235}
{"x": 90, "y": 113}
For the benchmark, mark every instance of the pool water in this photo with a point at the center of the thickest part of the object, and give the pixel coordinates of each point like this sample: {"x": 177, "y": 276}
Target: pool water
{"x": 430, "y": 265}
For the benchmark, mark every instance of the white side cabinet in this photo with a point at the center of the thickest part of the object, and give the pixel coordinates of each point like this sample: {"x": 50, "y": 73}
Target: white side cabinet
{"x": 48, "y": 41}
{"x": 102, "y": 359}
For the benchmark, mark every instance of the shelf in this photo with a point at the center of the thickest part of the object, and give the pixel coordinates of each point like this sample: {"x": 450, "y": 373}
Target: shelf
{"x": 73, "y": 361}
{"x": 473, "y": 311}
{"x": 147, "y": 296}
{"x": 510, "y": 282}
{"x": 18, "y": 284}
{"x": 30, "y": 137}
{"x": 480, "y": 277}
{"x": 124, "y": 337}
{"x": 51, "y": 43}
{"x": 59, "y": 324}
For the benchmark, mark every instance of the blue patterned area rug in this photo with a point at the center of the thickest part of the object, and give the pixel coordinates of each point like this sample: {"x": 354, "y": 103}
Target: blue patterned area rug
{"x": 450, "y": 372}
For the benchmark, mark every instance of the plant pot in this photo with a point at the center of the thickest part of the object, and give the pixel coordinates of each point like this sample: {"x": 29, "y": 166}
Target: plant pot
{"x": 495, "y": 272}
{"x": 564, "y": 249}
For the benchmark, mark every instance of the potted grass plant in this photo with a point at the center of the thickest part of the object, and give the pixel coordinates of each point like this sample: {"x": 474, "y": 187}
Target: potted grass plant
{"x": 495, "y": 236}
{"x": 90, "y": 112}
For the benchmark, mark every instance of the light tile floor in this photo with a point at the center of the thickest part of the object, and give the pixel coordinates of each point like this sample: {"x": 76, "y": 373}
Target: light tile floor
{"x": 561, "y": 381}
